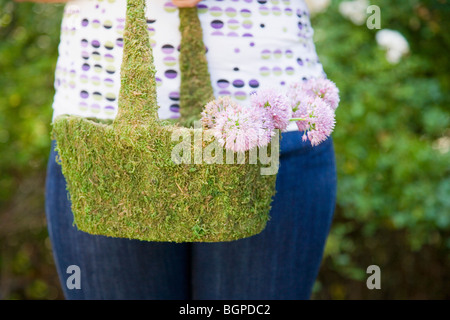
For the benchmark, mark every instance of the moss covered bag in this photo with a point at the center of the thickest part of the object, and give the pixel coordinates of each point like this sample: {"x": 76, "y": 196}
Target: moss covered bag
{"x": 121, "y": 177}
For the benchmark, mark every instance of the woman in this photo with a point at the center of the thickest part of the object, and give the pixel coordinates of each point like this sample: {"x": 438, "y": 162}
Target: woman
{"x": 250, "y": 44}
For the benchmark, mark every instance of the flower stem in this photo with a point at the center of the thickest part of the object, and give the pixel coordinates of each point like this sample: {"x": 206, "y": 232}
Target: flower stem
{"x": 297, "y": 119}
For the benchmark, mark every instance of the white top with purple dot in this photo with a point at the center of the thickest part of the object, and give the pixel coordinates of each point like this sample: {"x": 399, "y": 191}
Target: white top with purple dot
{"x": 250, "y": 44}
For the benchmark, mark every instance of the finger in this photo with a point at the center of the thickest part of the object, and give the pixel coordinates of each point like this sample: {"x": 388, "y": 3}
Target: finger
{"x": 185, "y": 3}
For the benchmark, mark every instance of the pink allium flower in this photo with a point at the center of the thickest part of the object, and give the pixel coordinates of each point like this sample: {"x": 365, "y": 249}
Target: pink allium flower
{"x": 310, "y": 103}
{"x": 276, "y": 104}
{"x": 212, "y": 108}
{"x": 318, "y": 87}
{"x": 319, "y": 119}
{"x": 242, "y": 129}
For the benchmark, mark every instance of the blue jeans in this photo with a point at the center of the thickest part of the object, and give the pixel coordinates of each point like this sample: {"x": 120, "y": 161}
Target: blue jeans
{"x": 282, "y": 262}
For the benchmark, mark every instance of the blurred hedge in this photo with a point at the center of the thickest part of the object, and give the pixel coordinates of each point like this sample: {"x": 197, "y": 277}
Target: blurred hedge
{"x": 392, "y": 145}
{"x": 29, "y": 36}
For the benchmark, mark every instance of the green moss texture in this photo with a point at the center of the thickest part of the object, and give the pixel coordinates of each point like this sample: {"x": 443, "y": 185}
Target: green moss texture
{"x": 121, "y": 177}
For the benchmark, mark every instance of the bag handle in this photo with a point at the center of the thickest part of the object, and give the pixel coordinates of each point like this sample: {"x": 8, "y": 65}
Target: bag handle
{"x": 137, "y": 96}
{"x": 196, "y": 89}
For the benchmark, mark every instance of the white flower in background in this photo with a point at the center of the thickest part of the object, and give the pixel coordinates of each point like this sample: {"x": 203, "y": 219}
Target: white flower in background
{"x": 394, "y": 42}
{"x": 355, "y": 11}
{"x": 317, "y": 6}
{"x": 442, "y": 144}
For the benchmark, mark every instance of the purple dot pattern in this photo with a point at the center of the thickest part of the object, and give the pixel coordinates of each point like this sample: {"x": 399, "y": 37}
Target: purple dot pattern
{"x": 250, "y": 44}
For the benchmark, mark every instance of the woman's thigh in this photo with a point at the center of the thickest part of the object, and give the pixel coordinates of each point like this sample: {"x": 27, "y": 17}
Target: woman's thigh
{"x": 283, "y": 261}
{"x": 110, "y": 268}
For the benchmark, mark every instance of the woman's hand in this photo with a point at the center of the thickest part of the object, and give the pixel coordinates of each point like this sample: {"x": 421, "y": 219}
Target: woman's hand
{"x": 43, "y": 1}
{"x": 178, "y": 3}
{"x": 185, "y": 3}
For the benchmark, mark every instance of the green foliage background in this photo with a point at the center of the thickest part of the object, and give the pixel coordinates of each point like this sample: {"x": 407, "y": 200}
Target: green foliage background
{"x": 392, "y": 145}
